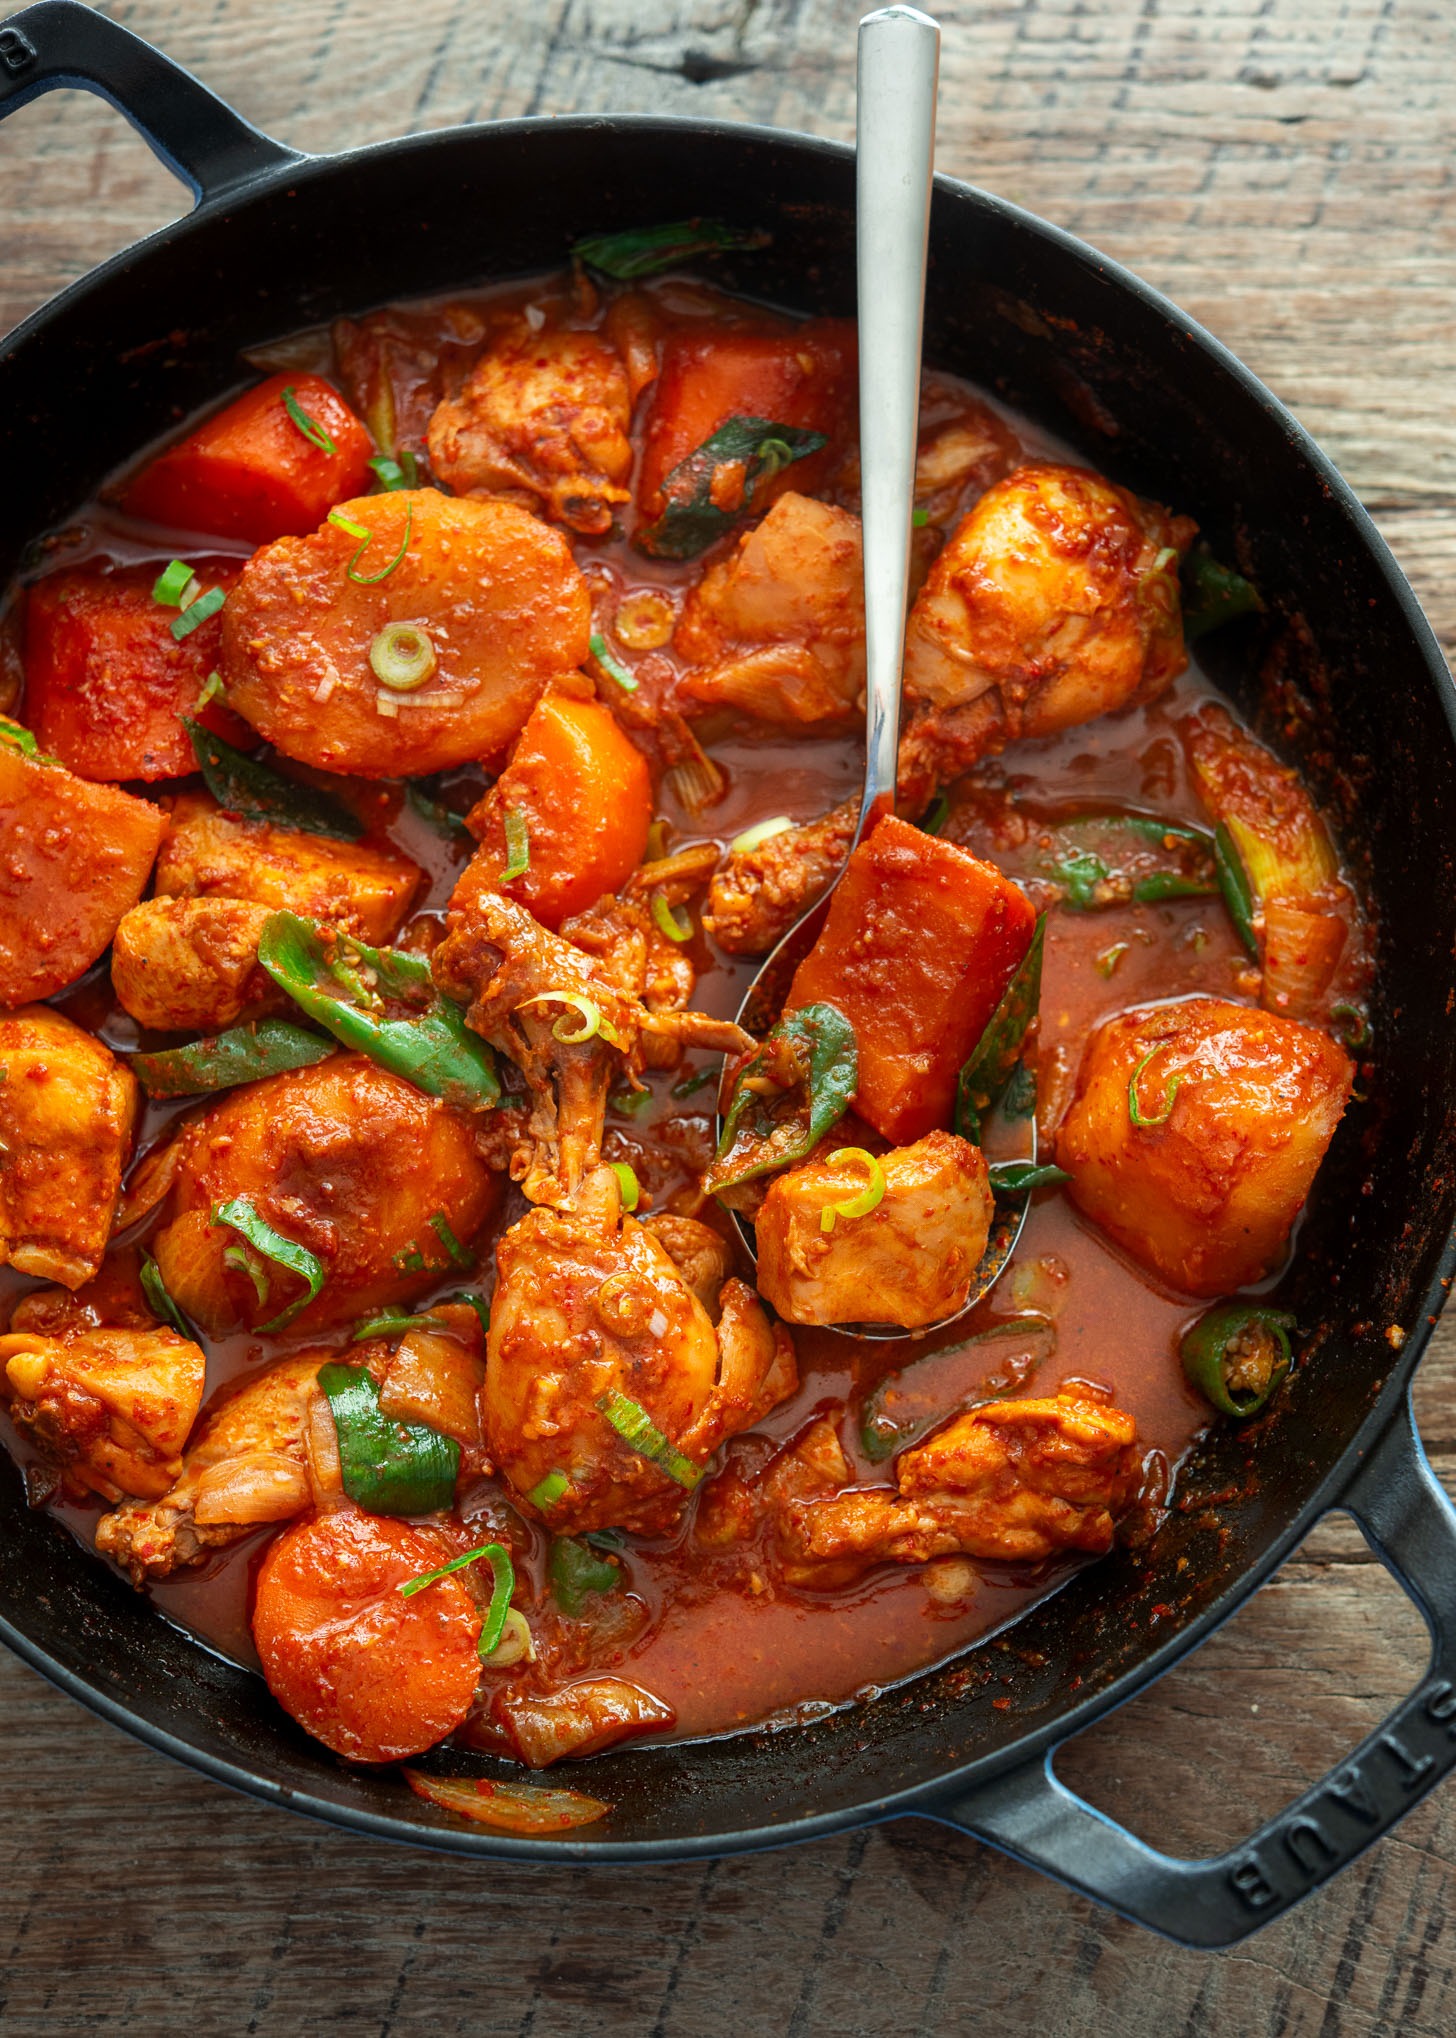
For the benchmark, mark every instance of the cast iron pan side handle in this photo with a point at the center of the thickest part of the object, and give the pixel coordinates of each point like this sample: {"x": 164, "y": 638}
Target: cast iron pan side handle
{"x": 1411, "y": 1526}
{"x": 63, "y": 42}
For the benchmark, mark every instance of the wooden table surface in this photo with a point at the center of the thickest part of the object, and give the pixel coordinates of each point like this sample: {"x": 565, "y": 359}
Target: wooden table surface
{"x": 1283, "y": 169}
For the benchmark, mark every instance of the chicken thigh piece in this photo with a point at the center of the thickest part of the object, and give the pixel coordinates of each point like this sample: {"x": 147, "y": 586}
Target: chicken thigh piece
{"x": 112, "y": 1406}
{"x": 777, "y": 628}
{"x": 607, "y": 1387}
{"x": 1011, "y": 1481}
{"x": 191, "y": 965}
{"x": 544, "y": 413}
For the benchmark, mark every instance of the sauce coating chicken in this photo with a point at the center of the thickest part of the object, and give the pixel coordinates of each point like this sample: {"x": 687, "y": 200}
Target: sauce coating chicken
{"x": 67, "y": 1113}
{"x": 909, "y": 1260}
{"x": 1195, "y": 1133}
{"x": 113, "y": 1407}
{"x": 191, "y": 964}
{"x": 543, "y": 415}
{"x": 1013, "y": 1481}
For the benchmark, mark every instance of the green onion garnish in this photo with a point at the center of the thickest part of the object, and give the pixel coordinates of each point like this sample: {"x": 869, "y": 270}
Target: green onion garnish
{"x": 156, "y": 1292}
{"x": 761, "y": 832}
{"x": 627, "y": 1181}
{"x": 500, "y": 1598}
{"x": 548, "y": 1491}
{"x": 402, "y": 656}
{"x": 244, "y": 1260}
{"x": 668, "y": 922}
{"x": 476, "y": 1302}
{"x": 612, "y": 667}
{"x": 1354, "y": 1027}
{"x": 690, "y": 1084}
{"x": 575, "y": 1569}
{"x": 392, "y": 1323}
{"x": 18, "y": 738}
{"x": 590, "y": 1014}
{"x": 1016, "y": 1178}
{"x": 919, "y": 519}
{"x": 440, "y": 1225}
{"x": 630, "y": 1103}
{"x": 212, "y": 686}
{"x": 169, "y": 587}
{"x": 401, "y": 473}
{"x": 640, "y": 1433}
{"x": 206, "y": 605}
{"x": 366, "y": 537}
{"x": 285, "y": 1252}
{"x": 310, "y": 427}
{"x": 862, "y": 1204}
{"x": 518, "y": 846}
{"x": 388, "y": 1467}
{"x": 1134, "y": 1110}
{"x": 935, "y": 816}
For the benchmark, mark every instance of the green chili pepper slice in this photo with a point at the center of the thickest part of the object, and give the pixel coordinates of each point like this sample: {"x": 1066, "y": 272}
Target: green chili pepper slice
{"x": 427, "y": 1042}
{"x": 691, "y": 520}
{"x": 244, "y": 1054}
{"x": 994, "y": 1059}
{"x": 647, "y": 250}
{"x": 1102, "y": 860}
{"x": 388, "y": 1467}
{"x": 784, "y": 1128}
{"x": 905, "y": 1405}
{"x": 242, "y": 785}
{"x": 1238, "y": 1355}
{"x": 575, "y": 1570}
{"x": 1233, "y": 882}
{"x": 1213, "y": 594}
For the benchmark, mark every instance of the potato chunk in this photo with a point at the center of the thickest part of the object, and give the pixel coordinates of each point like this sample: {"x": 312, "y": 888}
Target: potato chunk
{"x": 114, "y": 1406}
{"x": 67, "y": 1113}
{"x": 1238, "y": 1109}
{"x": 921, "y": 941}
{"x": 73, "y": 858}
{"x": 344, "y": 1159}
{"x": 366, "y": 888}
{"x": 497, "y": 593}
{"x": 191, "y": 965}
{"x": 908, "y": 1261}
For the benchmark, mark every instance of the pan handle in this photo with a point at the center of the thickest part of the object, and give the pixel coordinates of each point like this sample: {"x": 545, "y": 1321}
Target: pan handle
{"x": 196, "y": 134}
{"x": 1409, "y": 1523}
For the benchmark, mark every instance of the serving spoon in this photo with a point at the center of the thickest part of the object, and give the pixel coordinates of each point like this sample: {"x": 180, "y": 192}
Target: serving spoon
{"x": 899, "y": 61}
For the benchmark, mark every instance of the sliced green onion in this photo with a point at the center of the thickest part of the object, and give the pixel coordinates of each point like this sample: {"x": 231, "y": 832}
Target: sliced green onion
{"x": 388, "y": 1467}
{"x": 1016, "y": 1178}
{"x": 244, "y": 1054}
{"x": 157, "y": 1294}
{"x": 919, "y": 518}
{"x": 197, "y": 612}
{"x": 1233, "y": 882}
{"x": 548, "y": 1491}
{"x": 627, "y": 1181}
{"x": 646, "y": 251}
{"x": 366, "y": 537}
{"x": 284, "y": 1252}
{"x": 18, "y": 738}
{"x": 401, "y": 473}
{"x": 402, "y": 656}
{"x": 440, "y": 1225}
{"x": 476, "y": 1302}
{"x": 868, "y": 1197}
{"x": 1354, "y": 1026}
{"x": 518, "y": 846}
{"x": 310, "y": 427}
{"x": 444, "y": 820}
{"x": 505, "y": 1584}
{"x": 935, "y": 816}
{"x": 612, "y": 667}
{"x": 761, "y": 832}
{"x": 1134, "y": 1110}
{"x": 393, "y": 1323}
{"x": 690, "y": 1085}
{"x": 211, "y": 688}
{"x": 243, "y": 1260}
{"x": 668, "y": 922}
{"x": 630, "y": 1103}
{"x": 640, "y": 1433}
{"x": 592, "y": 1022}
{"x": 575, "y": 1570}
{"x": 169, "y": 586}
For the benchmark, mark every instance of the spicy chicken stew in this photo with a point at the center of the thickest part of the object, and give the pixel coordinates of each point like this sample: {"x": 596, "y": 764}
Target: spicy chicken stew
{"x": 375, "y": 1301}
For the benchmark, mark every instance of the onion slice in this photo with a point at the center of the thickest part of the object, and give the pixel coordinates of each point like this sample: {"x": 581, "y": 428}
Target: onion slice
{"x": 512, "y": 1807}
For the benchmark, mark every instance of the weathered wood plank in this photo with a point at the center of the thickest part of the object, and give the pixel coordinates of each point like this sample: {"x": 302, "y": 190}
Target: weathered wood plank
{"x": 1282, "y": 168}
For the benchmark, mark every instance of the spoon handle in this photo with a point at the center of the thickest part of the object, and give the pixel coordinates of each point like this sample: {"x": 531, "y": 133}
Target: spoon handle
{"x": 899, "y": 57}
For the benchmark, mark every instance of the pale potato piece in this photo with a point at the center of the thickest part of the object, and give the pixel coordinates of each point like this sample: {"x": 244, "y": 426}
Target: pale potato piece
{"x": 364, "y": 887}
{"x": 497, "y": 592}
{"x": 113, "y": 1406}
{"x": 191, "y": 965}
{"x": 1206, "y": 1197}
{"x": 67, "y": 1113}
{"x": 908, "y": 1261}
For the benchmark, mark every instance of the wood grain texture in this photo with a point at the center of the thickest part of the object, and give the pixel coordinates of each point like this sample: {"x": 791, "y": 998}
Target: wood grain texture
{"x": 1283, "y": 169}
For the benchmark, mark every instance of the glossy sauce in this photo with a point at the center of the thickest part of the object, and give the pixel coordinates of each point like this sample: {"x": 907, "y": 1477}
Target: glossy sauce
{"x": 727, "y": 1648}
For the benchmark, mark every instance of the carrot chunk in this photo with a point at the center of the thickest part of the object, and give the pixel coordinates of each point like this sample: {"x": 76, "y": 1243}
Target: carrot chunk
{"x": 584, "y": 792}
{"x": 372, "y": 1673}
{"x": 803, "y": 377}
{"x": 74, "y": 858}
{"x": 105, "y": 679}
{"x": 252, "y": 471}
{"x": 920, "y": 942}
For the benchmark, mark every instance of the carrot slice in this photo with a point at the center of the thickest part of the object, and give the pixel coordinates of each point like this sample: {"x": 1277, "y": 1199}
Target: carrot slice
{"x": 253, "y": 471}
{"x": 373, "y": 1673}
{"x": 106, "y": 682}
{"x": 584, "y": 792}
{"x": 921, "y": 940}
{"x": 514, "y": 1807}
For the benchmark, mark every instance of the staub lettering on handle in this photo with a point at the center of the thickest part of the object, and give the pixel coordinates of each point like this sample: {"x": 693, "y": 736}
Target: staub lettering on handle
{"x": 17, "y": 51}
{"x": 1310, "y": 1842}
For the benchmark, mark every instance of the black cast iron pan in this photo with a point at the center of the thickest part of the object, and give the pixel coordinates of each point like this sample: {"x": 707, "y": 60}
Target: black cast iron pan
{"x": 1346, "y": 662}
